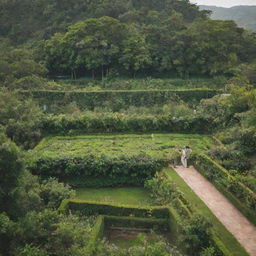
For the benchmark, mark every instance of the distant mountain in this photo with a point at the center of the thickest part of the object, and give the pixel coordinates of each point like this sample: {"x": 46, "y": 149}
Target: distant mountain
{"x": 244, "y": 16}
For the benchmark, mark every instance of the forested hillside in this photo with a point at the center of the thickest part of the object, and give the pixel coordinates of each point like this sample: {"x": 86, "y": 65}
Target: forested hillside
{"x": 115, "y": 36}
{"x": 244, "y": 16}
{"x": 99, "y": 99}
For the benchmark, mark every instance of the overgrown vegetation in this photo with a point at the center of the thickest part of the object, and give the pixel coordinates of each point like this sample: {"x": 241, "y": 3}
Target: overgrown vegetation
{"x": 140, "y": 68}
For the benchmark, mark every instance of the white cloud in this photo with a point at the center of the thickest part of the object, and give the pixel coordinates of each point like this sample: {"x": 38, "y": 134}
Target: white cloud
{"x": 227, "y": 3}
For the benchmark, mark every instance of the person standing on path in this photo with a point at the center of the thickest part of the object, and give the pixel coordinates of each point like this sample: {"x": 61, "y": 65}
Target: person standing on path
{"x": 186, "y": 151}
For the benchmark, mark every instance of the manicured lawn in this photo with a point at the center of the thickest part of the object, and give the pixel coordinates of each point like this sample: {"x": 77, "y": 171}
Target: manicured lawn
{"x": 127, "y": 196}
{"x": 221, "y": 232}
{"x": 159, "y": 145}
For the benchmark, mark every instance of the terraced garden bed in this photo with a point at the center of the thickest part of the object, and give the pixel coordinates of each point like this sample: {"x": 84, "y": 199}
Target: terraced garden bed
{"x": 119, "y": 144}
{"x": 109, "y": 160}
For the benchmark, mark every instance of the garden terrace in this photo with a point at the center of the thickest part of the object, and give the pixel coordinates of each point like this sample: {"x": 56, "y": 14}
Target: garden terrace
{"x": 92, "y": 122}
{"x": 117, "y": 99}
{"x": 142, "y": 83}
{"x": 109, "y": 160}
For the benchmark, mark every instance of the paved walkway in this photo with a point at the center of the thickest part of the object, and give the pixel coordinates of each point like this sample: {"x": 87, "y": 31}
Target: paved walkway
{"x": 229, "y": 216}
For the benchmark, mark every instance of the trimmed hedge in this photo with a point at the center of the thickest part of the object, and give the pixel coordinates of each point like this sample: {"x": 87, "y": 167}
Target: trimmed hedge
{"x": 117, "y": 99}
{"x": 96, "y": 234}
{"x": 134, "y": 222}
{"x": 95, "y": 208}
{"x": 123, "y": 170}
{"x": 159, "y": 218}
{"x": 239, "y": 194}
{"x": 116, "y": 122}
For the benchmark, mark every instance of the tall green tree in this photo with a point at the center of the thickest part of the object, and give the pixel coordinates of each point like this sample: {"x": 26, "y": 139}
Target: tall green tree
{"x": 11, "y": 169}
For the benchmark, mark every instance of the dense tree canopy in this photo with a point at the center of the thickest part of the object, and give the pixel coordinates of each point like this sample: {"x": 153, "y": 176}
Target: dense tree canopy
{"x": 130, "y": 37}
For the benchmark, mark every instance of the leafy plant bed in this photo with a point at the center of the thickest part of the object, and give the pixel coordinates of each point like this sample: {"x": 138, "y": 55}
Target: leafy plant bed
{"x": 129, "y": 195}
{"x": 109, "y": 160}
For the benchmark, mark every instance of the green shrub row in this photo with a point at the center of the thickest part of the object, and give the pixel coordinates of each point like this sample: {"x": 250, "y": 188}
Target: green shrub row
{"x": 121, "y": 170}
{"x": 96, "y": 234}
{"x": 239, "y": 194}
{"x": 135, "y": 222}
{"x": 115, "y": 122}
{"x": 118, "y": 99}
{"x": 158, "y": 218}
{"x": 182, "y": 208}
{"x": 95, "y": 208}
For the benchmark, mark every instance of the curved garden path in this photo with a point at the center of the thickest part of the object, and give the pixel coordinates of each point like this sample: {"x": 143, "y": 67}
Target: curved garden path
{"x": 243, "y": 230}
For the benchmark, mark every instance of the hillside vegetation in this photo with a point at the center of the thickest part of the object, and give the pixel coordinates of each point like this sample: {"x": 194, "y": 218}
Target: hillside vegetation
{"x": 244, "y": 16}
{"x": 97, "y": 100}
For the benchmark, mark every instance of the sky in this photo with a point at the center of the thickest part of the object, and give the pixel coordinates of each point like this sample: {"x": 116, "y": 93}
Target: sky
{"x": 224, "y": 3}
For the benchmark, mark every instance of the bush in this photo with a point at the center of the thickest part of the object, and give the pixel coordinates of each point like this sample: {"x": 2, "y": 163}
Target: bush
{"x": 245, "y": 197}
{"x": 231, "y": 159}
{"x": 119, "y": 99}
{"x": 133, "y": 169}
{"x": 162, "y": 190}
{"x": 196, "y": 234}
{"x": 115, "y": 122}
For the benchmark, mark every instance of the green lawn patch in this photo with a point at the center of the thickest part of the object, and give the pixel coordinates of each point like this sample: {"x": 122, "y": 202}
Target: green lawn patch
{"x": 128, "y": 195}
{"x": 218, "y": 229}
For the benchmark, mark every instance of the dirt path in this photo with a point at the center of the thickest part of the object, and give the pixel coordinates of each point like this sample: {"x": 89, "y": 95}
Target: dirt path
{"x": 229, "y": 216}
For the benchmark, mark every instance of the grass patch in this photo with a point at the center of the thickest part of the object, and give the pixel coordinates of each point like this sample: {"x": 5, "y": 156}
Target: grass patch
{"x": 217, "y": 228}
{"x": 128, "y": 196}
{"x": 159, "y": 145}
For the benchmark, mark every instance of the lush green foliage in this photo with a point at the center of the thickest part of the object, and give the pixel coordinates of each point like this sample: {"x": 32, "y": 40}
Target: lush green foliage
{"x": 220, "y": 236}
{"x": 52, "y": 233}
{"x": 119, "y": 99}
{"x": 18, "y": 68}
{"x": 89, "y": 45}
{"x": 225, "y": 181}
{"x": 109, "y": 39}
{"x": 197, "y": 235}
{"x": 108, "y": 160}
{"x": 157, "y": 245}
{"x": 11, "y": 169}
{"x": 50, "y": 16}
{"x": 91, "y": 122}
{"x": 162, "y": 190}
{"x": 20, "y": 119}
{"x": 114, "y": 82}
